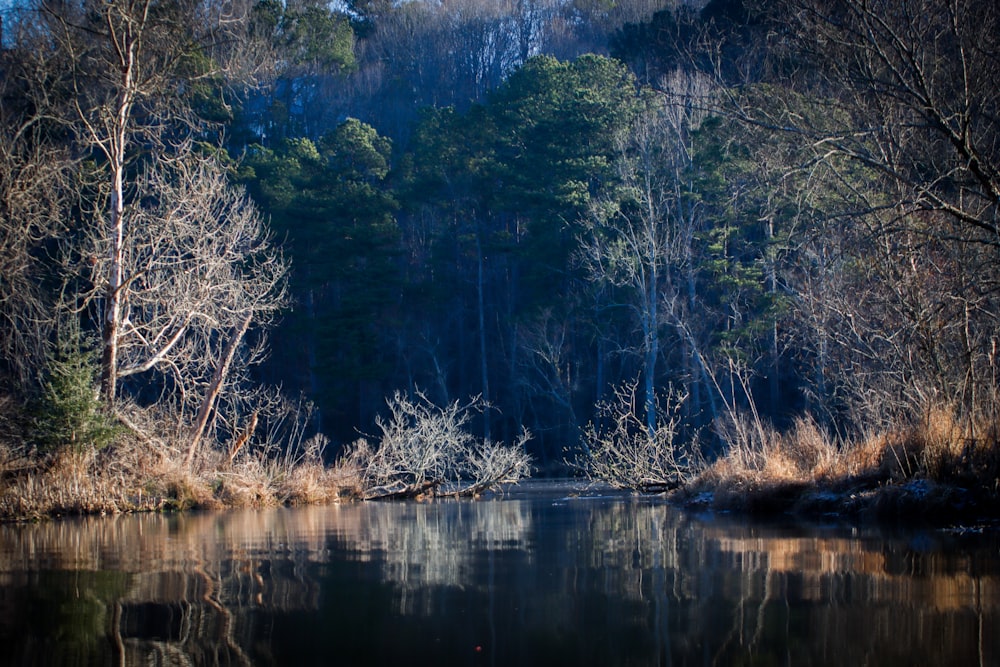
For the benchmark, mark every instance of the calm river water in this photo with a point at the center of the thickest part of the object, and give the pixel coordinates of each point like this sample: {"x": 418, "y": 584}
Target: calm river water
{"x": 545, "y": 576}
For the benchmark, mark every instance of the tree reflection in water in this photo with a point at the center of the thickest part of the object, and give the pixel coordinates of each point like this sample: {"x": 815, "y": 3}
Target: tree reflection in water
{"x": 543, "y": 578}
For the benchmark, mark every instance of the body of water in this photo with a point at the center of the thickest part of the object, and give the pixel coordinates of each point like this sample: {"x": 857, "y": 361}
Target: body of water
{"x": 547, "y": 575}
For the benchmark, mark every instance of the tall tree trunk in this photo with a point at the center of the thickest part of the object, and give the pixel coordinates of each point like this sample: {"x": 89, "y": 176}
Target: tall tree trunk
{"x": 772, "y": 288}
{"x": 311, "y": 353}
{"x": 651, "y": 352}
{"x": 692, "y": 372}
{"x": 701, "y": 374}
{"x": 482, "y": 340}
{"x": 116, "y": 157}
{"x": 112, "y": 304}
{"x": 600, "y": 381}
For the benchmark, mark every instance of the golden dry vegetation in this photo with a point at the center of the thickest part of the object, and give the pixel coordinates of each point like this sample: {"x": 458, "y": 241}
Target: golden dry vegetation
{"x": 128, "y": 476}
{"x": 942, "y": 466}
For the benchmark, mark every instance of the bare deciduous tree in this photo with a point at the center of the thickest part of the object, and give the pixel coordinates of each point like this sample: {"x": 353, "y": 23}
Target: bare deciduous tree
{"x": 640, "y": 237}
{"x": 197, "y": 270}
{"x": 35, "y": 196}
{"x": 132, "y": 64}
{"x": 917, "y": 81}
{"x": 178, "y": 264}
{"x": 893, "y": 110}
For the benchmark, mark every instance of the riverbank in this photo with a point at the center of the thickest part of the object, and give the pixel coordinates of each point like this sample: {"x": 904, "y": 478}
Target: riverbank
{"x": 940, "y": 470}
{"x": 424, "y": 451}
{"x": 129, "y": 477}
{"x": 910, "y": 501}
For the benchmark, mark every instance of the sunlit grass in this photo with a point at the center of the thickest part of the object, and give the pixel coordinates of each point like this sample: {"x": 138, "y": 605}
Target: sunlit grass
{"x": 130, "y": 476}
{"x": 938, "y": 461}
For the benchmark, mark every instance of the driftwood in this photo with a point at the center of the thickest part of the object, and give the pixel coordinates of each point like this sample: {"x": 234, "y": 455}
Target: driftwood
{"x": 433, "y": 488}
{"x": 394, "y": 492}
{"x": 660, "y": 487}
{"x": 473, "y": 490}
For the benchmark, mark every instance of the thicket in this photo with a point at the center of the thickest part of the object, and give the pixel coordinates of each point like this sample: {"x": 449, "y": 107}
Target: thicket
{"x": 424, "y": 451}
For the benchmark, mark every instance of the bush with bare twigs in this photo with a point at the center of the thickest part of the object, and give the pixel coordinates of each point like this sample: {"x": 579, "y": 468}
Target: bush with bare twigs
{"x": 426, "y": 449}
{"x": 624, "y": 453}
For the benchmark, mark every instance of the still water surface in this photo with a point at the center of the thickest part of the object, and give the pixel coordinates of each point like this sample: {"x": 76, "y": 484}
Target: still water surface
{"x": 545, "y": 576}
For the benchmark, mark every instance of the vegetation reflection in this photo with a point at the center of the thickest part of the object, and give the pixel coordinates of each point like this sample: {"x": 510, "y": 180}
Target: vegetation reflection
{"x": 614, "y": 581}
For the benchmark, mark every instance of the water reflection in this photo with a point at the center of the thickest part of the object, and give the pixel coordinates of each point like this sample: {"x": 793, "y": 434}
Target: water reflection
{"x": 544, "y": 578}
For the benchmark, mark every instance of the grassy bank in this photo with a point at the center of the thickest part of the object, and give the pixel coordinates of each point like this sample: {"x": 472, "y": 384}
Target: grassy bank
{"x": 129, "y": 476}
{"x": 939, "y": 469}
{"x": 423, "y": 451}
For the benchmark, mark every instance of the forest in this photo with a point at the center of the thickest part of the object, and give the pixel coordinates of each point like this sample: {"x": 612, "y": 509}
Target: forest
{"x": 645, "y": 241}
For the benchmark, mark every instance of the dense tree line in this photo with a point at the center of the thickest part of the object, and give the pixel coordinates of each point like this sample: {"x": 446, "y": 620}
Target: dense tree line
{"x": 717, "y": 218}
{"x": 702, "y": 210}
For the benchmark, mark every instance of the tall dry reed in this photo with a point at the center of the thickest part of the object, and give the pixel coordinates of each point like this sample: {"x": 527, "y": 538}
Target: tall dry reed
{"x": 958, "y": 457}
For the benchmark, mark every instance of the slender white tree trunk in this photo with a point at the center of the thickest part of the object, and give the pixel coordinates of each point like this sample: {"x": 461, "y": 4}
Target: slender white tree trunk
{"x": 482, "y": 341}
{"x": 651, "y": 352}
{"x": 116, "y": 156}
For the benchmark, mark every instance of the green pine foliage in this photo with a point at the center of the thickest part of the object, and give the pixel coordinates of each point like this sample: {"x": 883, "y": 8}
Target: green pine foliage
{"x": 330, "y": 201}
{"x": 69, "y": 412}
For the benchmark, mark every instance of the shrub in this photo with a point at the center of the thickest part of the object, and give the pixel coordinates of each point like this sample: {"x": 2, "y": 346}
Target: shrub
{"x": 424, "y": 448}
{"x": 624, "y": 453}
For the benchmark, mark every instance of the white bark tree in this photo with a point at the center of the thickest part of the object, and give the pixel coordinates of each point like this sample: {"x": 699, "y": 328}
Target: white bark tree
{"x": 639, "y": 239}
{"x": 132, "y": 66}
{"x": 179, "y": 263}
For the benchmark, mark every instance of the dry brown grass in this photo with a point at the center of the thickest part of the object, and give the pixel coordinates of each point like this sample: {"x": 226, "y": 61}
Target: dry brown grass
{"x": 314, "y": 483}
{"x": 134, "y": 475}
{"x": 759, "y": 454}
{"x": 940, "y": 460}
{"x": 260, "y": 477}
{"x": 66, "y": 483}
{"x": 948, "y": 449}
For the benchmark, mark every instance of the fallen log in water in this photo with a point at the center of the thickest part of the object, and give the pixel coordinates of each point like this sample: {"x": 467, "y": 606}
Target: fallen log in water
{"x": 394, "y": 492}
